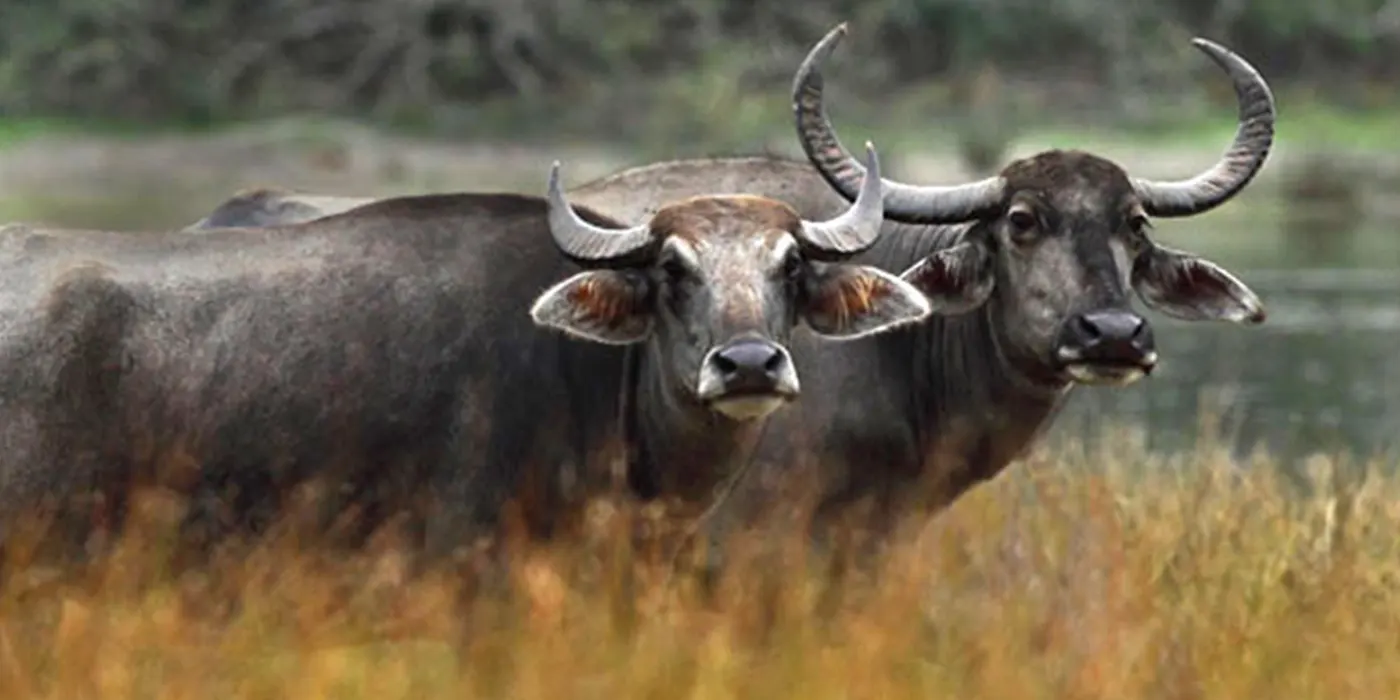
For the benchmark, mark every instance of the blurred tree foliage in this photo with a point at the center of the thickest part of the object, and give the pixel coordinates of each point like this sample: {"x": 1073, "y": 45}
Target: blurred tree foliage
{"x": 205, "y": 60}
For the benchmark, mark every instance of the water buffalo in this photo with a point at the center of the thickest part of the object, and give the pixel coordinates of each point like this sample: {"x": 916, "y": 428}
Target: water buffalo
{"x": 399, "y": 349}
{"x": 269, "y": 206}
{"x": 1029, "y": 273}
{"x": 631, "y": 195}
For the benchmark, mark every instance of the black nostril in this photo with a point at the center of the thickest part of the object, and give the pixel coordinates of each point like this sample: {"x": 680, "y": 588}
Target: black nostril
{"x": 1108, "y": 335}
{"x": 774, "y": 363}
{"x": 724, "y": 364}
{"x": 748, "y": 358}
{"x": 1088, "y": 327}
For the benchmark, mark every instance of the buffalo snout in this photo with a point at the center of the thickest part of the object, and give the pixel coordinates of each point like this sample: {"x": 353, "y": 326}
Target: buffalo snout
{"x": 1112, "y": 346}
{"x": 747, "y": 378}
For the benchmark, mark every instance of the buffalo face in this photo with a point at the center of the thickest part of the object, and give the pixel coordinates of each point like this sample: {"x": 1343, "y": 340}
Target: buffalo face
{"x": 713, "y": 287}
{"x": 1057, "y": 262}
{"x": 1056, "y": 240}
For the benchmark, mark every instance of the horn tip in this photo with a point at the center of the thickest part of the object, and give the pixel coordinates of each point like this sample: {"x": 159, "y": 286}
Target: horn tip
{"x": 871, "y": 157}
{"x": 1209, "y": 46}
{"x": 833, "y": 36}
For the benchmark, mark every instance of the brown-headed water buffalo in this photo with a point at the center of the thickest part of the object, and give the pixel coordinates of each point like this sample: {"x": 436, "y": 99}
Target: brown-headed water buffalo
{"x": 399, "y": 349}
{"x": 1029, "y": 274}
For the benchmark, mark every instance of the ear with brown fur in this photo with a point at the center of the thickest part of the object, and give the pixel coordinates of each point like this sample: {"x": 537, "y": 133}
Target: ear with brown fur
{"x": 955, "y": 280}
{"x": 1194, "y": 289}
{"x": 854, "y": 301}
{"x": 603, "y": 306}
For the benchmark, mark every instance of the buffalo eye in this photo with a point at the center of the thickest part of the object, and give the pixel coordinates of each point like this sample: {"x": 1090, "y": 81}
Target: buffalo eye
{"x": 1138, "y": 223}
{"x": 674, "y": 286}
{"x": 1023, "y": 224}
{"x": 1022, "y": 220}
{"x": 674, "y": 270}
{"x": 793, "y": 268}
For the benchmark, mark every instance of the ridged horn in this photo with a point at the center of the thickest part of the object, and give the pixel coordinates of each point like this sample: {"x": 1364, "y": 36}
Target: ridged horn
{"x": 1253, "y": 139}
{"x": 855, "y": 229}
{"x": 918, "y": 204}
{"x": 589, "y": 244}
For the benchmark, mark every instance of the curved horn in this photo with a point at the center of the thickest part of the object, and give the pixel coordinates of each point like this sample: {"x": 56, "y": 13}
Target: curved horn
{"x": 587, "y": 243}
{"x": 855, "y": 229}
{"x": 907, "y": 203}
{"x": 1234, "y": 170}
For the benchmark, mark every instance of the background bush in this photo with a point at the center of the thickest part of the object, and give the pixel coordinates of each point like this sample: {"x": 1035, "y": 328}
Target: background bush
{"x": 439, "y": 62}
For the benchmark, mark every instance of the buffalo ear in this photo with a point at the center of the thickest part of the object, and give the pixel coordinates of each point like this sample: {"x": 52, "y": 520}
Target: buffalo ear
{"x": 604, "y": 306}
{"x": 852, "y": 301}
{"x": 1192, "y": 288}
{"x": 955, "y": 280}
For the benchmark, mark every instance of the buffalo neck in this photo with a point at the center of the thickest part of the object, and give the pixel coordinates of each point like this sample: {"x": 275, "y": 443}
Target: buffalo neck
{"x": 684, "y": 449}
{"x": 974, "y": 409}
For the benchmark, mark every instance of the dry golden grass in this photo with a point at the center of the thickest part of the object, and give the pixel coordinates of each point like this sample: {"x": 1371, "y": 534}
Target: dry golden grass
{"x": 1099, "y": 573}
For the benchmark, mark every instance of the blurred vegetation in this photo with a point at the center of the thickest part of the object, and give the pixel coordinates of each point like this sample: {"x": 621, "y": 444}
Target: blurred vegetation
{"x": 1091, "y": 573}
{"x": 608, "y": 67}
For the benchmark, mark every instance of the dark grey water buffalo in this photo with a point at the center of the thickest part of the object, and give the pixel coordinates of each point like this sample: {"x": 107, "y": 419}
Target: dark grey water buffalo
{"x": 1029, "y": 273}
{"x": 631, "y": 195}
{"x": 398, "y": 349}
{"x": 270, "y": 206}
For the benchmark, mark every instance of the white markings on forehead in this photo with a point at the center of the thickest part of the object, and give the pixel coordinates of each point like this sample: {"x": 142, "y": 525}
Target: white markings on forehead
{"x": 781, "y": 248}
{"x": 683, "y": 250}
{"x": 756, "y": 252}
{"x": 741, "y": 267}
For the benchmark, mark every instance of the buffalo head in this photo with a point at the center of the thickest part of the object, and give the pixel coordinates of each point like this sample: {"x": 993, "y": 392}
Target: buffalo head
{"x": 714, "y": 286}
{"x": 1057, "y": 239}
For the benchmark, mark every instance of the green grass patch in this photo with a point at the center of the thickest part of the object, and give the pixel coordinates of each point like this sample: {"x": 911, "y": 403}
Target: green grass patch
{"x": 707, "y": 112}
{"x": 1317, "y": 124}
{"x": 17, "y": 130}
